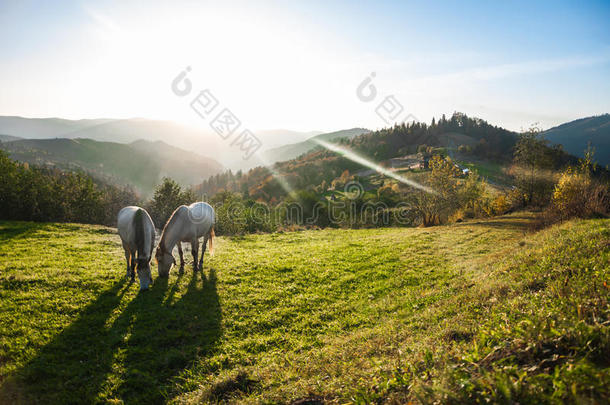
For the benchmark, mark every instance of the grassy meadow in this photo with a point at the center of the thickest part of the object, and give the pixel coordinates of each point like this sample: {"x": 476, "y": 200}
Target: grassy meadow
{"x": 480, "y": 311}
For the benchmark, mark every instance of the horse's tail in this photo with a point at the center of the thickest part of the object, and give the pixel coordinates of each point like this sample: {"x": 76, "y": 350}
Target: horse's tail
{"x": 138, "y": 225}
{"x": 211, "y": 241}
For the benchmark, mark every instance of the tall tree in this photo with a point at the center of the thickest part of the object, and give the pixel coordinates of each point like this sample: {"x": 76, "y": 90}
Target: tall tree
{"x": 532, "y": 164}
{"x": 166, "y": 199}
{"x": 436, "y": 206}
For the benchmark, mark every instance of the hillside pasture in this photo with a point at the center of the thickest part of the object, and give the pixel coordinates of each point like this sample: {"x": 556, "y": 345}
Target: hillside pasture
{"x": 450, "y": 313}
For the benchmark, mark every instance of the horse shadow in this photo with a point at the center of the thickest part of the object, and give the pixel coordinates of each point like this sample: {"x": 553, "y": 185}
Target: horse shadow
{"x": 133, "y": 354}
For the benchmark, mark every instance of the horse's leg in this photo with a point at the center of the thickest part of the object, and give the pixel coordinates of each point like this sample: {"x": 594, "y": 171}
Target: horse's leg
{"x": 203, "y": 245}
{"x": 181, "y": 258}
{"x": 195, "y": 252}
{"x": 133, "y": 267}
{"x": 128, "y": 259}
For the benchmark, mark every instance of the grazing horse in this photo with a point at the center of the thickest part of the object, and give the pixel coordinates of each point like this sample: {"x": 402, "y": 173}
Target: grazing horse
{"x": 187, "y": 224}
{"x": 137, "y": 233}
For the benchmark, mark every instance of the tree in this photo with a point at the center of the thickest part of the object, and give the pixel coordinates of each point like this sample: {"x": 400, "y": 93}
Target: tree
{"x": 168, "y": 196}
{"x": 388, "y": 193}
{"x": 342, "y": 180}
{"x": 470, "y": 193}
{"x": 436, "y": 205}
{"x": 532, "y": 163}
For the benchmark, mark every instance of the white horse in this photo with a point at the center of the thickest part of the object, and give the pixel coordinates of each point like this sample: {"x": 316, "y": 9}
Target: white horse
{"x": 187, "y": 224}
{"x": 137, "y": 233}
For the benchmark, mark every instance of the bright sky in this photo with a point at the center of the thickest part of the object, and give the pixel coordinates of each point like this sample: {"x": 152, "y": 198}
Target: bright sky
{"x": 297, "y": 65}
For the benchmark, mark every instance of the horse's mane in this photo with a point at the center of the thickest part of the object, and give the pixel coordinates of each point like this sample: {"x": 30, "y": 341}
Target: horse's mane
{"x": 172, "y": 219}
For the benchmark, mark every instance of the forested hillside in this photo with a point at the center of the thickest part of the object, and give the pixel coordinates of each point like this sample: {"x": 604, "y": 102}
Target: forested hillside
{"x": 294, "y": 150}
{"x": 460, "y": 137}
{"x": 576, "y": 135}
{"x": 141, "y": 164}
{"x": 31, "y": 193}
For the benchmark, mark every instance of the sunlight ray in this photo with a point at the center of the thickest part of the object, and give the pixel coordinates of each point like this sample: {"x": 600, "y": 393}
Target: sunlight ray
{"x": 276, "y": 175}
{"x": 371, "y": 165}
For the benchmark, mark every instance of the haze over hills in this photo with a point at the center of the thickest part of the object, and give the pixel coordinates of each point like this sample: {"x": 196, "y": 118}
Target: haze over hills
{"x": 291, "y": 151}
{"x": 204, "y": 141}
{"x": 575, "y": 135}
{"x": 138, "y": 151}
{"x": 40, "y": 128}
{"x": 275, "y": 138}
{"x": 8, "y": 138}
{"x": 141, "y": 164}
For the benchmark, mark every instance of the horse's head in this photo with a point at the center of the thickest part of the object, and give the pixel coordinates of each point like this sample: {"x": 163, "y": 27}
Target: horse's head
{"x": 143, "y": 269}
{"x": 165, "y": 260}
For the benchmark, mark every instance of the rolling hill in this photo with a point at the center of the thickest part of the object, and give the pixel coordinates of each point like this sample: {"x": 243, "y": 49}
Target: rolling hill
{"x": 200, "y": 140}
{"x": 575, "y": 135}
{"x": 275, "y": 138}
{"x": 140, "y": 163}
{"x": 8, "y": 138}
{"x": 294, "y": 150}
{"x": 40, "y": 128}
{"x": 487, "y": 144}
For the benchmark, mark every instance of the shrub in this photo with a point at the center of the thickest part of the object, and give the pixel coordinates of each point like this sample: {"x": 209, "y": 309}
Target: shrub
{"x": 578, "y": 195}
{"x": 501, "y": 205}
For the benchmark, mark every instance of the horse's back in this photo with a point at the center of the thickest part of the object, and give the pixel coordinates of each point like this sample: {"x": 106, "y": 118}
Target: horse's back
{"x": 125, "y": 224}
{"x": 202, "y": 215}
{"x": 125, "y": 221}
{"x": 202, "y": 209}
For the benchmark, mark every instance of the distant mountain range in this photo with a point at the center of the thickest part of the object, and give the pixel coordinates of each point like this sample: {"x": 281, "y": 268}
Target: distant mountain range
{"x": 141, "y": 164}
{"x": 141, "y": 151}
{"x": 294, "y": 150}
{"x": 7, "y": 138}
{"x": 273, "y": 138}
{"x": 204, "y": 141}
{"x": 575, "y": 135}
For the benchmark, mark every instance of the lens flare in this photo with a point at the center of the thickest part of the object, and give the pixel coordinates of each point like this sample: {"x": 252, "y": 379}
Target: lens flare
{"x": 276, "y": 175}
{"x": 371, "y": 165}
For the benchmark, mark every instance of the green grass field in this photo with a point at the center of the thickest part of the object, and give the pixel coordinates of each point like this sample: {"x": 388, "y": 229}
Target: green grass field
{"x": 491, "y": 171}
{"x": 478, "y": 311}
